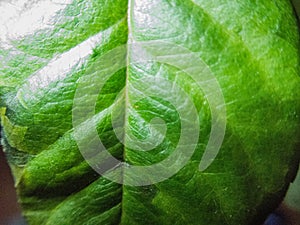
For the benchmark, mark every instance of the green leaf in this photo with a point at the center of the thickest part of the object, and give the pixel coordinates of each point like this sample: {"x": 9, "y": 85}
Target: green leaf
{"x": 157, "y": 82}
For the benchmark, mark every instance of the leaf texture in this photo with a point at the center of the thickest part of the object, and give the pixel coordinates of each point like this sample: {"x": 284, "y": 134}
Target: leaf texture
{"x": 48, "y": 47}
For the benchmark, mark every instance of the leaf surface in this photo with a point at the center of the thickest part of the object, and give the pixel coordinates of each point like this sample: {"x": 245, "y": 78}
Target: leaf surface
{"x": 48, "y": 48}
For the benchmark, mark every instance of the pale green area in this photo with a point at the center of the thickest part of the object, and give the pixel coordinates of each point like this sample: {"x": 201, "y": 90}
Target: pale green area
{"x": 293, "y": 195}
